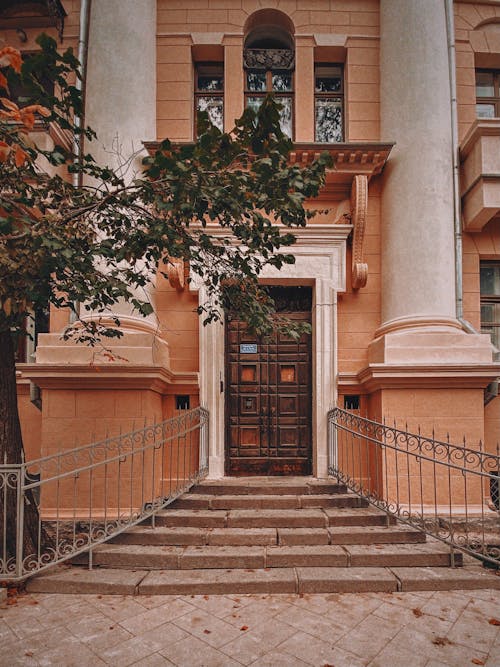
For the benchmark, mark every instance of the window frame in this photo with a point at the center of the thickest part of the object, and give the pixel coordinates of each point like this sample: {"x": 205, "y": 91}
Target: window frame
{"x": 490, "y": 327}
{"x": 269, "y": 89}
{"x": 487, "y": 99}
{"x": 198, "y": 65}
{"x": 318, "y": 95}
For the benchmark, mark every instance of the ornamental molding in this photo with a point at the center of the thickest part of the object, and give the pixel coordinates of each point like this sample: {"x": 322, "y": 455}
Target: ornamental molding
{"x": 266, "y": 59}
{"x": 175, "y": 271}
{"x": 359, "y": 209}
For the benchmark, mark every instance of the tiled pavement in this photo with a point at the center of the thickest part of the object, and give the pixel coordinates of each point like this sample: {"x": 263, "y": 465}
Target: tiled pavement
{"x": 428, "y": 629}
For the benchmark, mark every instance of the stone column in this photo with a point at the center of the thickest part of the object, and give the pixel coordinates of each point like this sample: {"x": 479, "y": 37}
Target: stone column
{"x": 418, "y": 254}
{"x": 121, "y": 76}
{"x": 233, "y": 80}
{"x": 417, "y": 204}
{"x": 121, "y": 101}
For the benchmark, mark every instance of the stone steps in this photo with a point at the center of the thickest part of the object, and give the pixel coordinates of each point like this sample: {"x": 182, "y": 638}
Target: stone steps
{"x": 267, "y": 535}
{"x": 151, "y": 557}
{"x": 268, "y": 485}
{"x": 267, "y": 502}
{"x": 299, "y": 580}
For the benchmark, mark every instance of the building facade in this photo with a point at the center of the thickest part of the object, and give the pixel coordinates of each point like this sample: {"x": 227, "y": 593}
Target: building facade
{"x": 400, "y": 278}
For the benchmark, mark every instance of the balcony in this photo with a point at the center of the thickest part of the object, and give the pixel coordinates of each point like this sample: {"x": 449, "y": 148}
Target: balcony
{"x": 480, "y": 174}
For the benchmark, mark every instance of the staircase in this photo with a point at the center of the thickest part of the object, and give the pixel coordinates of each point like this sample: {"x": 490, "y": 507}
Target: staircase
{"x": 267, "y": 535}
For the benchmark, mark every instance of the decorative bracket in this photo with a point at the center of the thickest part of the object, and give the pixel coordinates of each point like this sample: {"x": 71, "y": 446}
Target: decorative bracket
{"x": 175, "y": 272}
{"x": 359, "y": 208}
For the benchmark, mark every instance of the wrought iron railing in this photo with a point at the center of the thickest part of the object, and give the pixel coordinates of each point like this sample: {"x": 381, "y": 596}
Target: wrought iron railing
{"x": 448, "y": 491}
{"x": 59, "y": 506}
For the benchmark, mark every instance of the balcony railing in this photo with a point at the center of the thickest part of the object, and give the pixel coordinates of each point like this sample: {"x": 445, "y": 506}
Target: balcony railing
{"x": 59, "y": 506}
{"x": 450, "y": 492}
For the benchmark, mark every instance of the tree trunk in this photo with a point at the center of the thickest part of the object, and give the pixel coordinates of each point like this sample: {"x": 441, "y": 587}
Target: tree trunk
{"x": 12, "y": 453}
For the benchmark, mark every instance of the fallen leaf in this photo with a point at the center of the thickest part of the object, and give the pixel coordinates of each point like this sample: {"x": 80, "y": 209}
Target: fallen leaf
{"x": 244, "y": 627}
{"x": 205, "y": 597}
{"x": 494, "y": 621}
{"x": 207, "y": 632}
{"x": 476, "y": 661}
{"x": 28, "y": 653}
{"x": 417, "y": 612}
{"x": 441, "y": 641}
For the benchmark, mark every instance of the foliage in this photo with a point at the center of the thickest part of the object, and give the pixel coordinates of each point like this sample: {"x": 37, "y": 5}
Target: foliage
{"x": 96, "y": 244}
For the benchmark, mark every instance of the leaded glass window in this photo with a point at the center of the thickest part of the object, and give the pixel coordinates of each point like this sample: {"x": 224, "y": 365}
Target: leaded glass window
{"x": 329, "y": 103}
{"x": 260, "y": 82}
{"x": 487, "y": 93}
{"x": 490, "y": 300}
{"x": 209, "y": 92}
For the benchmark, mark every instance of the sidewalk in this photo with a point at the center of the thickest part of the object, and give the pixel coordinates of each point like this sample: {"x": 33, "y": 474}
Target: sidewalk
{"x": 429, "y": 629}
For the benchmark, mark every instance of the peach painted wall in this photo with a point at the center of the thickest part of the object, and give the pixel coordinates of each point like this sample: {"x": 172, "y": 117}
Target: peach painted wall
{"x": 353, "y": 22}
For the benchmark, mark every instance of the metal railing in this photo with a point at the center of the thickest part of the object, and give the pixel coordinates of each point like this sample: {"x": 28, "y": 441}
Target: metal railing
{"x": 448, "y": 491}
{"x": 59, "y": 506}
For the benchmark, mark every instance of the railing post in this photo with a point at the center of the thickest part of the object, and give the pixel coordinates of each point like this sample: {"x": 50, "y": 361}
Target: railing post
{"x": 332, "y": 443}
{"x": 20, "y": 472}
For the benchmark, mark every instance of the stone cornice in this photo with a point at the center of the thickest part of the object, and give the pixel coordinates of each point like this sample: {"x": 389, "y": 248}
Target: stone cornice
{"x": 349, "y": 159}
{"x": 482, "y": 127}
{"x": 105, "y": 376}
{"x": 419, "y": 376}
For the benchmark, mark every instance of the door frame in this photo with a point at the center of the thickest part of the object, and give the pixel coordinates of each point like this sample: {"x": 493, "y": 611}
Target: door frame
{"x": 320, "y": 261}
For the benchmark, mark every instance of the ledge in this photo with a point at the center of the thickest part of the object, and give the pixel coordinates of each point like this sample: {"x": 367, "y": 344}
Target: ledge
{"x": 419, "y": 376}
{"x": 480, "y": 173}
{"x": 105, "y": 376}
{"x": 349, "y": 159}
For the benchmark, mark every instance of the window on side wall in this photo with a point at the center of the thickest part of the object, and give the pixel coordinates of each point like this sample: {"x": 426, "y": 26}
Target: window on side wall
{"x": 209, "y": 92}
{"x": 487, "y": 93}
{"x": 329, "y": 103}
{"x": 490, "y": 300}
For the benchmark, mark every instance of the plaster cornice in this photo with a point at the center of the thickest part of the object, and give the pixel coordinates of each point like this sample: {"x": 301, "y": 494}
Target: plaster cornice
{"x": 420, "y": 376}
{"x": 105, "y": 376}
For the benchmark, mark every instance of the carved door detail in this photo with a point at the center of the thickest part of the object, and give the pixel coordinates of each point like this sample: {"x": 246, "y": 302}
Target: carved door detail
{"x": 268, "y": 400}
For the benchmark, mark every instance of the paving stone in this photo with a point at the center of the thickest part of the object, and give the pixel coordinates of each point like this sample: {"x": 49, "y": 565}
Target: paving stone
{"x": 222, "y": 557}
{"x": 137, "y": 556}
{"x": 363, "y": 516}
{"x": 349, "y": 580}
{"x": 374, "y": 535}
{"x": 191, "y": 518}
{"x": 306, "y": 556}
{"x": 162, "y": 536}
{"x": 103, "y": 581}
{"x": 307, "y": 518}
{"x": 442, "y": 579}
{"x": 206, "y": 582}
{"x": 242, "y": 536}
{"x": 296, "y": 536}
{"x": 399, "y": 555}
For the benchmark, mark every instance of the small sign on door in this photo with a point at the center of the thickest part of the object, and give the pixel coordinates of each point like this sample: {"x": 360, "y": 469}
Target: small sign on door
{"x": 248, "y": 348}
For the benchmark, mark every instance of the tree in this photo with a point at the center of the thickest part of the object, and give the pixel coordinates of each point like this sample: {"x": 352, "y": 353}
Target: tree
{"x": 65, "y": 243}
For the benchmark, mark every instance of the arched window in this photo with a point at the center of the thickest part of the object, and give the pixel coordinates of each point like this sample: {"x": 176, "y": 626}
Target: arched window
{"x": 269, "y": 62}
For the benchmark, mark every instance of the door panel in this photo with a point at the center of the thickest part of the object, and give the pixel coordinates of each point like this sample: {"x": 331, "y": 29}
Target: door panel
{"x": 268, "y": 402}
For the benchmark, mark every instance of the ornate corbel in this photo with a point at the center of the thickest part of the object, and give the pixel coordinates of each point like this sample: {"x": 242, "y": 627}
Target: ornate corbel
{"x": 359, "y": 208}
{"x": 175, "y": 272}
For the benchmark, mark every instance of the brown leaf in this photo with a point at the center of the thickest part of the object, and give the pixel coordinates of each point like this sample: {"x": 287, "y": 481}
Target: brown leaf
{"x": 477, "y": 661}
{"x": 244, "y": 627}
{"x": 441, "y": 641}
{"x": 207, "y": 632}
{"x": 28, "y": 653}
{"x": 494, "y": 621}
{"x": 417, "y": 612}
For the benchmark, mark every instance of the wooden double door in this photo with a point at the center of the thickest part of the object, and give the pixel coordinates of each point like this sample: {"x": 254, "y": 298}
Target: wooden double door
{"x": 268, "y": 395}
